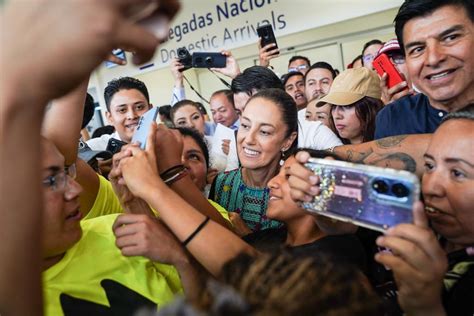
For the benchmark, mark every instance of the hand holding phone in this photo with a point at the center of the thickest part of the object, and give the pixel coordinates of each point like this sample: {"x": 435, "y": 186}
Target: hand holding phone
{"x": 382, "y": 64}
{"x": 265, "y": 32}
{"x": 143, "y": 128}
{"x": 372, "y": 197}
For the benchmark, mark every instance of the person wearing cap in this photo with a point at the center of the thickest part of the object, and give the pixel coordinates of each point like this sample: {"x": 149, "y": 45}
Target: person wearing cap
{"x": 397, "y": 58}
{"x": 437, "y": 38}
{"x": 355, "y": 100}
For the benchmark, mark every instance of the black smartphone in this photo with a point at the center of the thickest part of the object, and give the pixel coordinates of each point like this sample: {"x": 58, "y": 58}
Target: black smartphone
{"x": 114, "y": 145}
{"x": 265, "y": 32}
{"x": 208, "y": 60}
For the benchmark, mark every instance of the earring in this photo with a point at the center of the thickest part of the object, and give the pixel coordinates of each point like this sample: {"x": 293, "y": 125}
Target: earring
{"x": 282, "y": 155}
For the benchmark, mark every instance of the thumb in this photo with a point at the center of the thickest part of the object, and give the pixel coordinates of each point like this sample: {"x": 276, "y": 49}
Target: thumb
{"x": 419, "y": 216}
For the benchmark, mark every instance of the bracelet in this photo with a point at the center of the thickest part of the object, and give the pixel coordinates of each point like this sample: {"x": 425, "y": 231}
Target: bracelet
{"x": 195, "y": 232}
{"x": 171, "y": 171}
{"x": 177, "y": 176}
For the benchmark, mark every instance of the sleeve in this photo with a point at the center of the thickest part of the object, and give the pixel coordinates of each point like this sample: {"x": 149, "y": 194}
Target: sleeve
{"x": 316, "y": 135}
{"x": 106, "y": 201}
{"x": 221, "y": 210}
{"x": 179, "y": 94}
{"x": 382, "y": 124}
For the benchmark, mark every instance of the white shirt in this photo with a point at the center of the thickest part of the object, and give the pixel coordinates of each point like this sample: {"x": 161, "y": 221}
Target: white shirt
{"x": 100, "y": 143}
{"x": 316, "y": 135}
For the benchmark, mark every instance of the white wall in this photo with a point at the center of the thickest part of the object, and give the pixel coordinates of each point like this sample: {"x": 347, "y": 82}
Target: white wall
{"x": 337, "y": 43}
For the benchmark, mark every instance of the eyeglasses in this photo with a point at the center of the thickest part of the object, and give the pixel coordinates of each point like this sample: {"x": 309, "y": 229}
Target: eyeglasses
{"x": 368, "y": 58}
{"x": 297, "y": 68}
{"x": 397, "y": 59}
{"x": 59, "y": 181}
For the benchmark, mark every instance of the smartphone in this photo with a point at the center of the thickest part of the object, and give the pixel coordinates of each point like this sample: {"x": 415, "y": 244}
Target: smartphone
{"x": 114, "y": 145}
{"x": 265, "y": 32}
{"x": 372, "y": 197}
{"x": 382, "y": 64}
{"x": 208, "y": 60}
{"x": 141, "y": 133}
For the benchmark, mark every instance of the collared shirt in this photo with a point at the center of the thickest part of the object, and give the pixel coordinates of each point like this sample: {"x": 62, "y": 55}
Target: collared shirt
{"x": 409, "y": 115}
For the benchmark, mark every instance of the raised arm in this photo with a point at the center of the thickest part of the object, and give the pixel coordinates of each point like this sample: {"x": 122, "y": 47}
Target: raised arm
{"x": 210, "y": 243}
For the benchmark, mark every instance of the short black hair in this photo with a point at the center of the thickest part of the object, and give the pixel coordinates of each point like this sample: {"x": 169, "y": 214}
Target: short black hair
{"x": 189, "y": 132}
{"x": 165, "y": 111}
{"x": 411, "y": 9}
{"x": 323, "y": 65}
{"x": 124, "y": 83}
{"x": 254, "y": 79}
{"x": 286, "y": 77}
{"x": 292, "y": 59}
{"x": 103, "y": 130}
{"x": 89, "y": 108}
{"x": 182, "y": 103}
{"x": 370, "y": 43}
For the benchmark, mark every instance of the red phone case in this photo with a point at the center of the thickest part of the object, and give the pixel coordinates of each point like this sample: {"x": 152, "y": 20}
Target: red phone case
{"x": 382, "y": 64}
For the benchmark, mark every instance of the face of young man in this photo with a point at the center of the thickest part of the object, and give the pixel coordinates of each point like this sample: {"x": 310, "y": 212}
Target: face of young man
{"x": 126, "y": 107}
{"x": 299, "y": 65}
{"x": 439, "y": 56}
{"x": 222, "y": 110}
{"x": 295, "y": 87}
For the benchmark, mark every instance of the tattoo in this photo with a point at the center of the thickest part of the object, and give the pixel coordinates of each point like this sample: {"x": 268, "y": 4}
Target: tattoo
{"x": 396, "y": 161}
{"x": 360, "y": 156}
{"x": 390, "y": 141}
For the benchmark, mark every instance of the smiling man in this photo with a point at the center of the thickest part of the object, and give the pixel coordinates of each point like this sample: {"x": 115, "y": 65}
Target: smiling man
{"x": 438, "y": 41}
{"x": 126, "y": 99}
{"x": 294, "y": 86}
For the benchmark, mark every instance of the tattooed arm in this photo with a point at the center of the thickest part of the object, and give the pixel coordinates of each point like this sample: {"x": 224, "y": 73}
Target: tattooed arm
{"x": 399, "y": 152}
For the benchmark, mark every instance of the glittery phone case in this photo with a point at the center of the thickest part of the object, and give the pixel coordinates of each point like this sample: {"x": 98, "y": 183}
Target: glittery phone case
{"x": 368, "y": 196}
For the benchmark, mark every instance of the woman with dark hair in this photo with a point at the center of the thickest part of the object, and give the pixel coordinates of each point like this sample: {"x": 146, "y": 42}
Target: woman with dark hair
{"x": 186, "y": 113}
{"x": 355, "y": 100}
{"x": 267, "y": 130}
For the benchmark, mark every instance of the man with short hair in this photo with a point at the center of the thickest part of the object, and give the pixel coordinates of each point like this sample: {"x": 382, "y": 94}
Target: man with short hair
{"x": 438, "y": 40}
{"x": 311, "y": 134}
{"x": 294, "y": 86}
{"x": 223, "y": 110}
{"x": 299, "y": 64}
{"x": 126, "y": 99}
{"x": 318, "y": 80}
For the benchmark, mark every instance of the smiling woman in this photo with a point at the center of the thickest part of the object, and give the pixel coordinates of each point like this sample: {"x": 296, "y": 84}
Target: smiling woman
{"x": 268, "y": 128}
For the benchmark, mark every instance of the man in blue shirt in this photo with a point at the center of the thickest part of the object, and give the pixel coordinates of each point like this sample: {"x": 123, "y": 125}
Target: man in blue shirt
{"x": 438, "y": 41}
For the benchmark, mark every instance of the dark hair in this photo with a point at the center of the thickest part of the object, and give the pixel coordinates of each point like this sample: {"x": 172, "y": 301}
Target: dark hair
{"x": 124, "y": 83}
{"x": 189, "y": 132}
{"x": 292, "y": 59}
{"x": 287, "y": 107}
{"x": 466, "y": 113}
{"x": 323, "y": 65}
{"x": 165, "y": 111}
{"x": 411, "y": 9}
{"x": 285, "y": 284}
{"x": 286, "y": 77}
{"x": 255, "y": 78}
{"x": 89, "y": 108}
{"x": 366, "y": 110}
{"x": 103, "y": 130}
{"x": 370, "y": 43}
{"x": 351, "y": 65}
{"x": 181, "y": 104}
{"x": 201, "y": 108}
{"x": 227, "y": 93}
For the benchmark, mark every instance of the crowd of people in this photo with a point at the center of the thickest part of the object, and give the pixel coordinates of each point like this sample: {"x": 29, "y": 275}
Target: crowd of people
{"x": 208, "y": 217}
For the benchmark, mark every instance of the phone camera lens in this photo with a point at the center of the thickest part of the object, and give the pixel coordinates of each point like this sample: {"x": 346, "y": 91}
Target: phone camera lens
{"x": 400, "y": 190}
{"x": 209, "y": 60}
{"x": 380, "y": 186}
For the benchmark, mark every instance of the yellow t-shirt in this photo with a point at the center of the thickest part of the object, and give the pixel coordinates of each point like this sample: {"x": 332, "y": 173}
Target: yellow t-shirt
{"x": 93, "y": 278}
{"x": 106, "y": 202}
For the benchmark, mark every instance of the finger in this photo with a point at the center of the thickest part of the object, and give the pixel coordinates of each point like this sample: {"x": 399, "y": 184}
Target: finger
{"x": 273, "y": 53}
{"x": 124, "y": 219}
{"x": 126, "y": 241}
{"x": 383, "y": 79}
{"x": 398, "y": 87}
{"x": 400, "y": 267}
{"x": 132, "y": 251}
{"x": 409, "y": 251}
{"x": 150, "y": 140}
{"x": 116, "y": 60}
{"x": 269, "y": 46}
{"x": 137, "y": 37}
{"x": 302, "y": 156}
{"x": 419, "y": 216}
{"x": 401, "y": 94}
